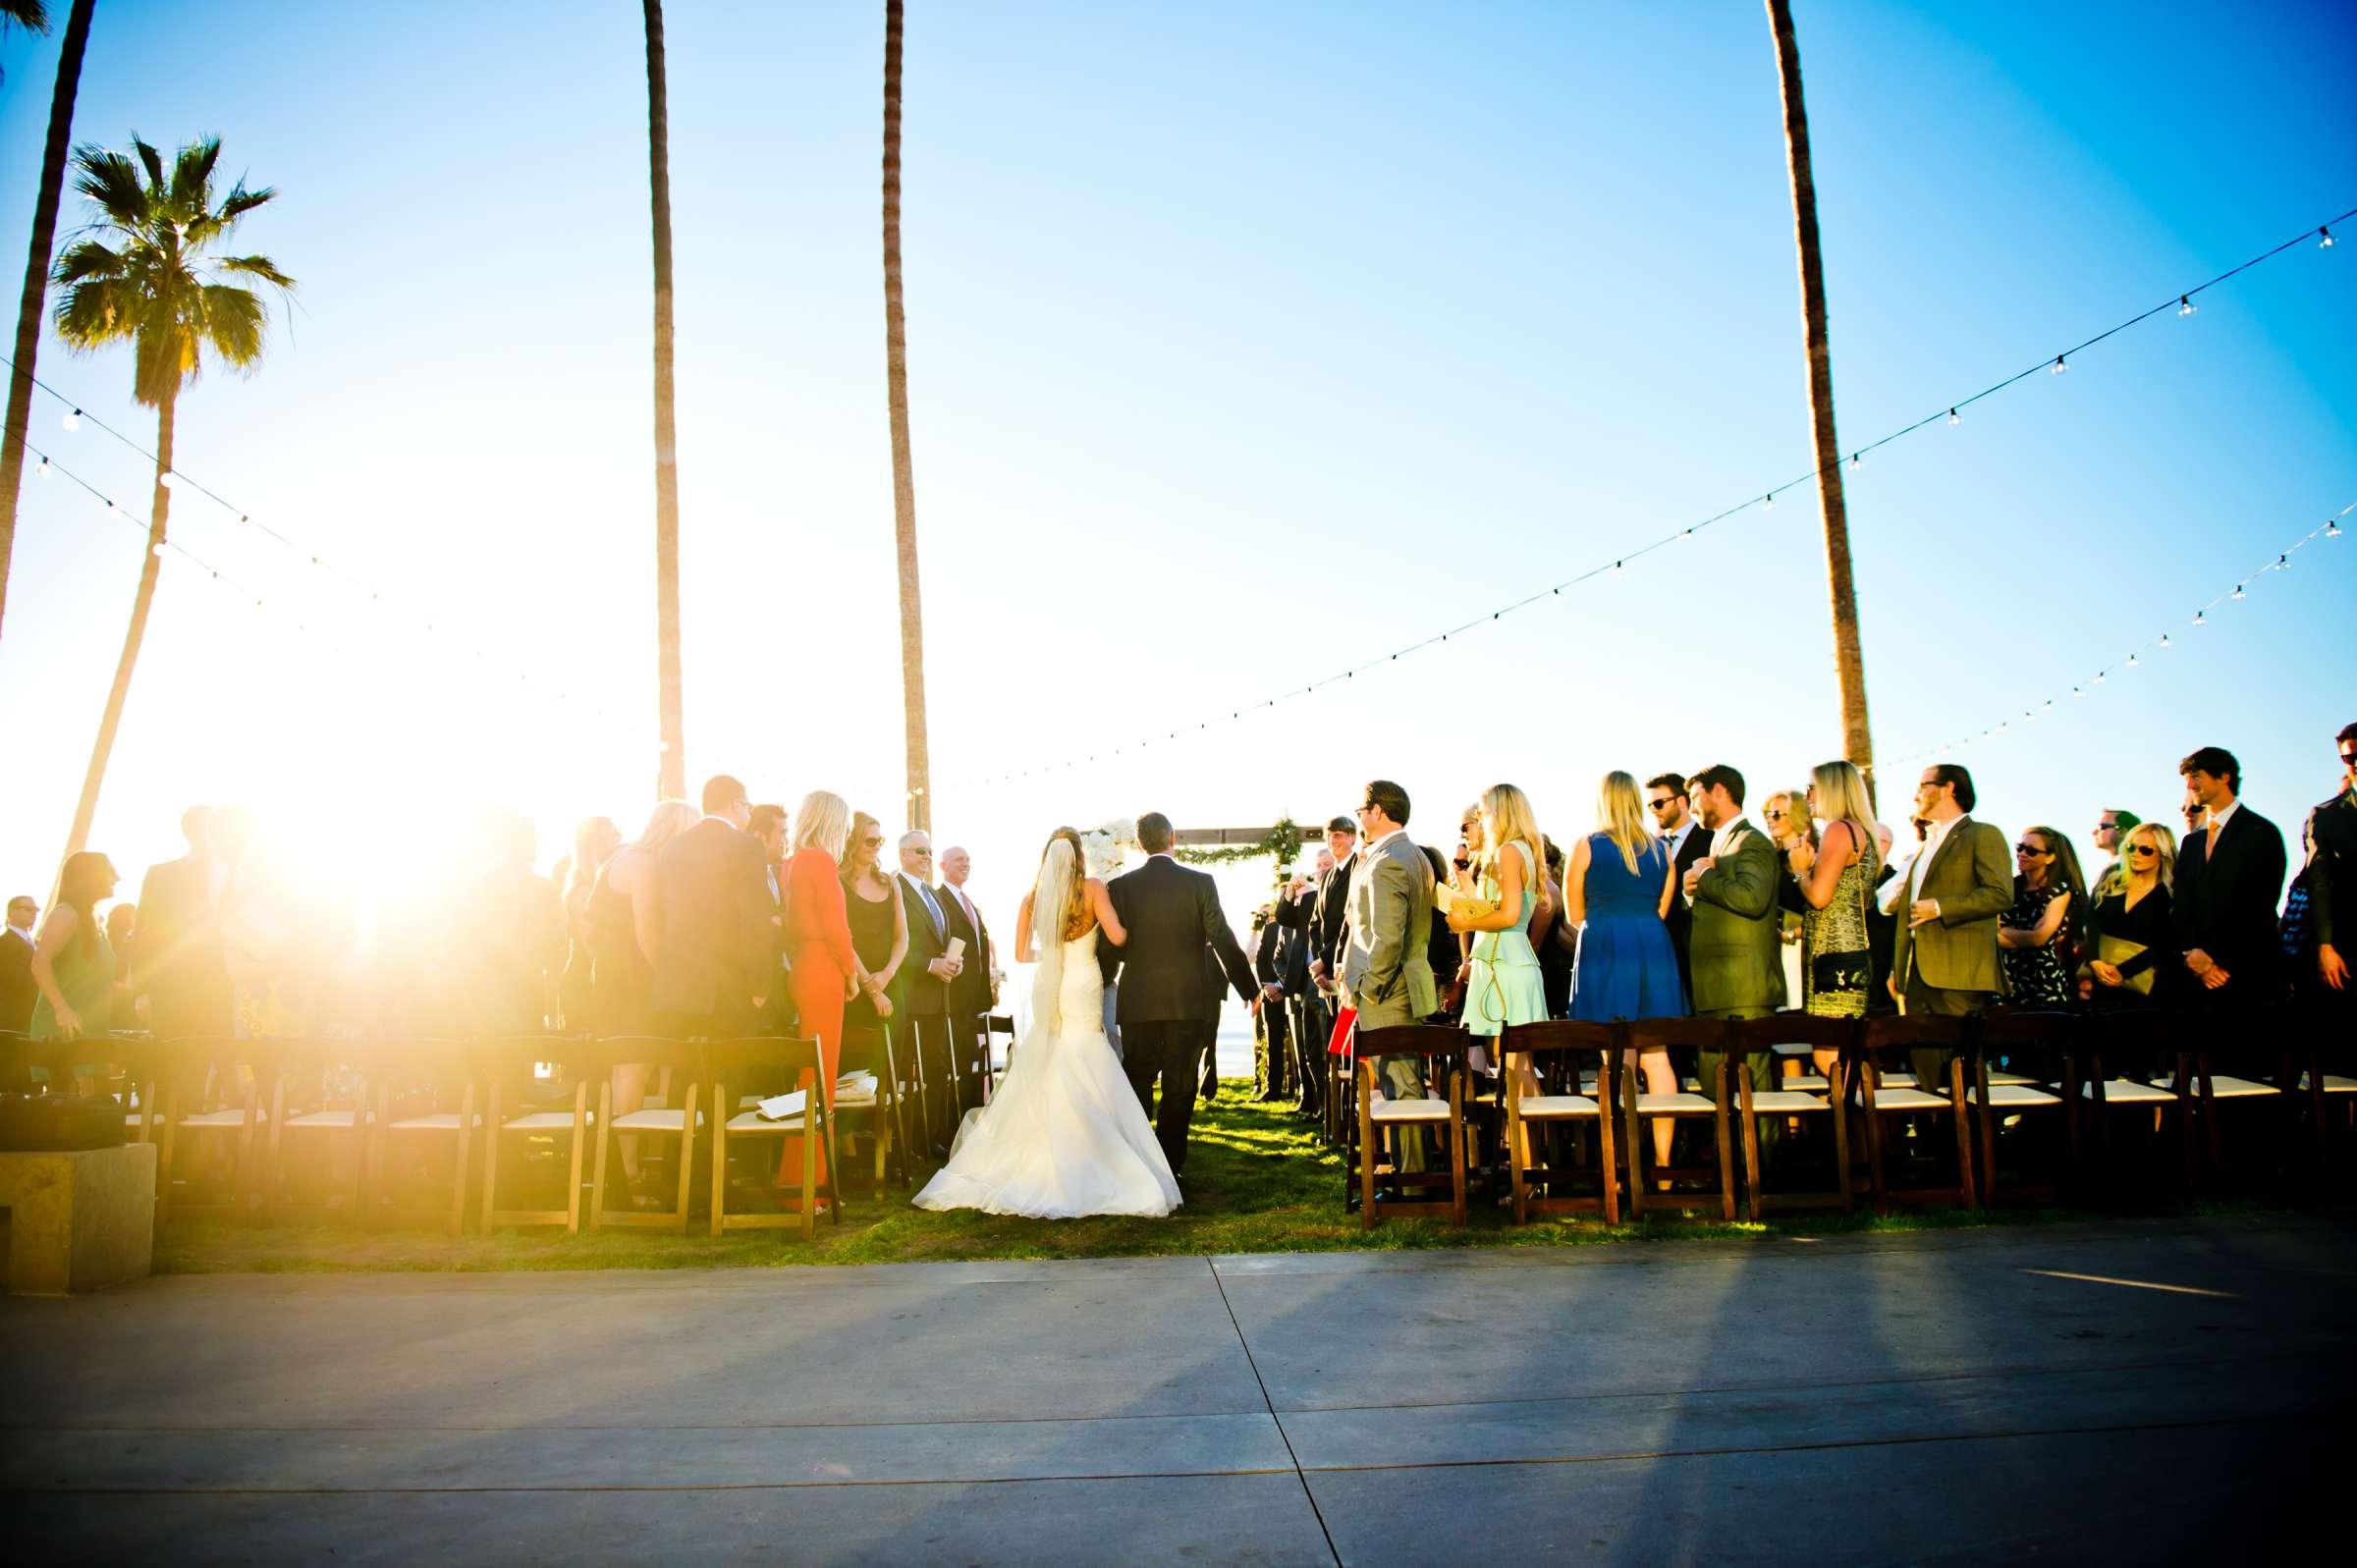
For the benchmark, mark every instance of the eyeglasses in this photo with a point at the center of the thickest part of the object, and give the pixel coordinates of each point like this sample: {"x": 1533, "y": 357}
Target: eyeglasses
{"x": 1773, "y": 816}
{"x": 2348, "y": 759}
{"x": 922, "y": 854}
{"x": 2031, "y": 850}
{"x": 875, "y": 843}
{"x": 2140, "y": 849}
{"x": 2106, "y": 827}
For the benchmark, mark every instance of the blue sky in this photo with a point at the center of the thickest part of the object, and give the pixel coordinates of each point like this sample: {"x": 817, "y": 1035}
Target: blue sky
{"x": 1247, "y": 343}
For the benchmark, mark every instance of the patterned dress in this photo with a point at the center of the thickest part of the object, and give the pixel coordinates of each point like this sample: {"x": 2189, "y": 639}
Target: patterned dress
{"x": 1836, "y": 967}
{"x": 2035, "y": 976}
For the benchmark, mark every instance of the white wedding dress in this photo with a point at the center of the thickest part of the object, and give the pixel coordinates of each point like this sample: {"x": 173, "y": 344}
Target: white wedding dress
{"x": 1064, "y": 1135}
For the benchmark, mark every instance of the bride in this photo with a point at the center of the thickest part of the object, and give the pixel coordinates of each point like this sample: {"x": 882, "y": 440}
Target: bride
{"x": 1064, "y": 1135}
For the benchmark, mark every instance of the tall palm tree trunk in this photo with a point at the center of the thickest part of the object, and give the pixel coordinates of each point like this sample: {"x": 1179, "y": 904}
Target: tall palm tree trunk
{"x": 151, "y": 564}
{"x": 36, "y": 279}
{"x": 672, "y": 774}
{"x": 903, "y": 473}
{"x": 1850, "y": 663}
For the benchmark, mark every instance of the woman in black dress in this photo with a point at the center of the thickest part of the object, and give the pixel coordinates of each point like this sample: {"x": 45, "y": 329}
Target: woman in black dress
{"x": 879, "y": 922}
{"x": 2129, "y": 937}
{"x": 2038, "y": 936}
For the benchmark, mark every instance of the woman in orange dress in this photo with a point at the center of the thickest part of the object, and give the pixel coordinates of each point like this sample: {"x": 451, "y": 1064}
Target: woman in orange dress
{"x": 818, "y": 945}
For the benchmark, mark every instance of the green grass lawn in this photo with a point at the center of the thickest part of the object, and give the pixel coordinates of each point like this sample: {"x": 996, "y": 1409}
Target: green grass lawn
{"x": 1257, "y": 1180}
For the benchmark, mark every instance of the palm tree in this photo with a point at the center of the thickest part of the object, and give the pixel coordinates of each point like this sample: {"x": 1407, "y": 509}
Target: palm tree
{"x": 147, "y": 274}
{"x": 35, "y": 17}
{"x": 672, "y": 772}
{"x": 1850, "y": 663}
{"x": 903, "y": 473}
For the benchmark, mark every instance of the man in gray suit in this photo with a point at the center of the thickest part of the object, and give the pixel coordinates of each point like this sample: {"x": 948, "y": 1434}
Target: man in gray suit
{"x": 1735, "y": 944}
{"x": 1944, "y": 963}
{"x": 1385, "y": 974}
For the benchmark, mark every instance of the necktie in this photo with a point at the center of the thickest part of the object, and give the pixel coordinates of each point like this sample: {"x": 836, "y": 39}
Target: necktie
{"x": 932, "y": 908}
{"x": 2210, "y": 844}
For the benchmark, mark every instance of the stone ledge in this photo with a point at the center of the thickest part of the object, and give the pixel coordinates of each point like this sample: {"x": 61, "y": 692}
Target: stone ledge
{"x": 77, "y": 1220}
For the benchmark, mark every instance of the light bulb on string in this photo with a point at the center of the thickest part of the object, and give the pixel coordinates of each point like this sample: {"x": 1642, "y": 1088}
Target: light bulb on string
{"x": 2283, "y": 561}
{"x": 2331, "y": 527}
{"x": 1954, "y": 418}
{"x": 1767, "y": 501}
{"x": 2131, "y": 661}
{"x": 2185, "y": 305}
{"x": 2237, "y": 594}
{"x": 2324, "y": 236}
{"x": 1855, "y": 459}
{"x": 2164, "y": 642}
{"x": 44, "y": 470}
{"x": 2059, "y": 366}
{"x": 2201, "y": 618}
{"x": 2098, "y": 677}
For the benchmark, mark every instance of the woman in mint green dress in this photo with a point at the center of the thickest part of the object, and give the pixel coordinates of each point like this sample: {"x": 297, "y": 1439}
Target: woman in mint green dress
{"x": 1504, "y": 983}
{"x": 73, "y": 965}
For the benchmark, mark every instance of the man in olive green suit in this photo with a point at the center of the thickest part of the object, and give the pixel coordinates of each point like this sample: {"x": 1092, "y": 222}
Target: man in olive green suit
{"x": 1736, "y": 944}
{"x": 1388, "y": 922}
{"x": 1945, "y": 960}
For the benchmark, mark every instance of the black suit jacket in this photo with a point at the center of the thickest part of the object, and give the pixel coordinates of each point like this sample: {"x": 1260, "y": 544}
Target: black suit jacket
{"x": 17, "y": 990}
{"x": 2225, "y": 904}
{"x": 2330, "y": 871}
{"x": 1681, "y": 920}
{"x": 1293, "y": 949}
{"x": 969, "y": 993}
{"x": 717, "y": 950}
{"x": 1326, "y": 918}
{"x": 916, "y": 991}
{"x": 1169, "y": 912}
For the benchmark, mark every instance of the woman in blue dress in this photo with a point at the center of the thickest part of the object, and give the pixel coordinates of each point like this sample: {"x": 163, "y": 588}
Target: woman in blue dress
{"x": 1617, "y": 891}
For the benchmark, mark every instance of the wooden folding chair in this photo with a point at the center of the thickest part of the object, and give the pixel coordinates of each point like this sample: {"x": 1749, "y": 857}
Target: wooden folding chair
{"x": 523, "y": 1109}
{"x": 678, "y": 1119}
{"x": 2207, "y": 1092}
{"x": 1884, "y": 1098}
{"x": 1639, "y": 1107}
{"x": 2332, "y": 1096}
{"x": 318, "y": 1096}
{"x": 879, "y": 1111}
{"x": 1555, "y": 1050}
{"x": 1774, "y": 1036}
{"x": 994, "y": 1024}
{"x": 186, "y": 1083}
{"x": 2050, "y": 1042}
{"x": 725, "y": 1064}
{"x": 1436, "y": 1045}
{"x": 416, "y": 1080}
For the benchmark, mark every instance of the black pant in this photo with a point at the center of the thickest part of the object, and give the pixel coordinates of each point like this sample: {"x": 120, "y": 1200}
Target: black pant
{"x": 1170, "y": 1049}
{"x": 928, "y": 1035}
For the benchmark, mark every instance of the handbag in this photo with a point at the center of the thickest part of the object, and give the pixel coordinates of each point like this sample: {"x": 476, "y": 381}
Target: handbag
{"x": 1450, "y": 901}
{"x": 2116, "y": 952}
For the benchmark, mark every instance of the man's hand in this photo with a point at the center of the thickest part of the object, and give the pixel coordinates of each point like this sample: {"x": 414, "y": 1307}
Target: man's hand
{"x": 944, "y": 968}
{"x": 760, "y": 1002}
{"x": 2331, "y": 967}
{"x": 1317, "y": 970}
{"x": 1694, "y": 873}
{"x": 2108, "y": 974}
{"x": 1923, "y": 912}
{"x": 2197, "y": 960}
{"x": 2216, "y": 977}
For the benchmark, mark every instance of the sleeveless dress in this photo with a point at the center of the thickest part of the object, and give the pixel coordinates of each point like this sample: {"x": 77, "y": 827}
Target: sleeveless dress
{"x": 872, "y": 924}
{"x": 1507, "y": 986}
{"x": 2033, "y": 976}
{"x": 621, "y": 983}
{"x": 1836, "y": 965}
{"x": 1065, "y": 1135}
{"x": 1626, "y": 967}
{"x": 88, "y": 981}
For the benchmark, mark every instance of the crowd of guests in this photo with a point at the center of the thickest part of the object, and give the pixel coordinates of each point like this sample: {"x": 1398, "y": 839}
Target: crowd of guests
{"x": 1675, "y": 902}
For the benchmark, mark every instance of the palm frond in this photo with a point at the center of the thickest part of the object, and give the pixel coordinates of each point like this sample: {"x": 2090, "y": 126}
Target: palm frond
{"x": 192, "y": 177}
{"x": 234, "y": 324}
{"x": 240, "y": 202}
{"x": 261, "y": 267}
{"x": 85, "y": 258}
{"x": 97, "y": 311}
{"x": 106, "y": 179}
{"x": 150, "y": 159}
{"x": 31, "y": 14}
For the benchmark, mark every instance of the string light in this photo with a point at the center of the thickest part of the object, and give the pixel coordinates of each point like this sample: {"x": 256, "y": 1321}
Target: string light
{"x": 2332, "y": 529}
{"x": 1855, "y": 459}
{"x": 2323, "y": 240}
{"x": 44, "y": 470}
{"x": 2185, "y": 305}
{"x": 2201, "y": 618}
{"x": 2061, "y": 364}
{"x": 72, "y": 421}
{"x": 1767, "y": 504}
{"x": 1954, "y": 418}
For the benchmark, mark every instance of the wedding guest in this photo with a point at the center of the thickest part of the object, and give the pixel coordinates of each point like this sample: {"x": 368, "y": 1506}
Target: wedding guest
{"x": 1882, "y": 925}
{"x": 879, "y": 930}
{"x": 1333, "y": 907}
{"x": 1836, "y": 876}
{"x": 594, "y": 841}
{"x": 626, "y": 930}
{"x": 975, "y": 991}
{"x": 1313, "y": 1019}
{"x": 505, "y": 939}
{"x": 2109, "y": 827}
{"x": 822, "y": 967}
{"x": 1500, "y": 974}
{"x": 2329, "y": 869}
{"x": 716, "y": 963}
{"x": 2229, "y": 876}
{"x": 1737, "y": 950}
{"x": 2130, "y": 937}
{"x": 1555, "y": 939}
{"x": 1619, "y": 888}
{"x": 1271, "y": 1031}
{"x": 2195, "y": 812}
{"x": 121, "y": 928}
{"x": 1785, "y": 816}
{"x": 179, "y": 970}
{"x": 1444, "y": 949}
{"x": 2038, "y": 935}
{"x": 921, "y": 988}
{"x": 72, "y": 966}
{"x": 17, "y": 990}
{"x": 767, "y": 828}
{"x": 1674, "y": 828}
{"x": 1387, "y": 965}
{"x": 1945, "y": 962}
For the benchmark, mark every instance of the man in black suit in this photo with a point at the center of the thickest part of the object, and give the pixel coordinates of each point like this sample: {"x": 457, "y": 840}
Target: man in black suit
{"x": 1167, "y": 1008}
{"x": 1312, "y": 1023}
{"x": 1272, "y": 1050}
{"x": 715, "y": 957}
{"x": 2330, "y": 873}
{"x": 921, "y": 987}
{"x": 2229, "y": 878}
{"x": 18, "y": 992}
{"x": 1333, "y": 904}
{"x": 1675, "y": 825}
{"x": 767, "y": 828}
{"x": 178, "y": 965}
{"x": 972, "y": 994}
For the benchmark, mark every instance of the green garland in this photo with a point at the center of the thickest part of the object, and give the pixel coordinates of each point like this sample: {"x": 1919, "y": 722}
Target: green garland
{"x": 1283, "y": 842}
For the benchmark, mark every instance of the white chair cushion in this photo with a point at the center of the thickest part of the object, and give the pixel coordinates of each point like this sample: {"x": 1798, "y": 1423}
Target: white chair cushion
{"x": 547, "y": 1121}
{"x": 1543, "y": 1107}
{"x": 1408, "y": 1111}
{"x": 1785, "y": 1100}
{"x": 1805, "y": 1083}
{"x": 657, "y": 1120}
{"x": 223, "y": 1119}
{"x": 437, "y": 1121}
{"x": 2333, "y": 1086}
{"x": 1792, "y": 1050}
{"x": 1677, "y": 1105}
{"x": 746, "y": 1122}
{"x": 1997, "y": 1079}
{"x": 2128, "y": 1092}
{"x": 2222, "y": 1087}
{"x": 1905, "y": 1097}
{"x": 1899, "y": 1080}
{"x": 1690, "y": 1084}
{"x": 2014, "y": 1096}
{"x": 854, "y": 1100}
{"x": 320, "y": 1119}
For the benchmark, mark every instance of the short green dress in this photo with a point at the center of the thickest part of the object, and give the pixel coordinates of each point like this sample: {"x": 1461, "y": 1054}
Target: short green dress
{"x": 1507, "y": 986}
{"x": 87, "y": 979}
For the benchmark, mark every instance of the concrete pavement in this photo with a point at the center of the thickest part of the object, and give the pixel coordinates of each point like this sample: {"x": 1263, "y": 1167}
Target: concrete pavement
{"x": 2109, "y": 1391}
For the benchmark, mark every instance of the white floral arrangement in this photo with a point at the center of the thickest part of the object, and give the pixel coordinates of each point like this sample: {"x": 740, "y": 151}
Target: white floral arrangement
{"x": 1107, "y": 845}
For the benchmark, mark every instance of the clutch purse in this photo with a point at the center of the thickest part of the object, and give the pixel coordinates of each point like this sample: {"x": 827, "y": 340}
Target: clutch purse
{"x": 2117, "y": 950}
{"x": 1450, "y": 901}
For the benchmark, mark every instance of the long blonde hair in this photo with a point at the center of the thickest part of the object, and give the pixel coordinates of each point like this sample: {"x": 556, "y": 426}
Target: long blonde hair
{"x": 666, "y": 821}
{"x": 1620, "y": 816}
{"x": 1505, "y": 815}
{"x": 823, "y": 821}
{"x": 2166, "y": 842}
{"x": 1841, "y": 797}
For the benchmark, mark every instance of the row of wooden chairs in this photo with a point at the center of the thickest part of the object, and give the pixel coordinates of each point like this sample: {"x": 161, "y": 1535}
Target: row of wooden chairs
{"x": 2042, "y": 1072}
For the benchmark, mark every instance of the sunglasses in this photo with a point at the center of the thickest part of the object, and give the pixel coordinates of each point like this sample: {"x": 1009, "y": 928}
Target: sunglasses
{"x": 2140, "y": 849}
{"x": 876, "y": 843}
{"x": 2028, "y": 849}
{"x": 1663, "y": 805}
{"x": 1774, "y": 816}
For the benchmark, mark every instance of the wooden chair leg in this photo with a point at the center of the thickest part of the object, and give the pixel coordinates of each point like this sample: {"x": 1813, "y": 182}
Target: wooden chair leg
{"x": 1457, "y": 1145}
{"x": 1727, "y": 1157}
{"x": 2217, "y": 1142}
{"x": 490, "y": 1159}
{"x": 605, "y": 1137}
{"x": 458, "y": 1177}
{"x": 163, "y": 1159}
{"x": 1988, "y": 1120}
{"x": 1874, "y": 1145}
{"x": 1366, "y": 1149}
{"x": 1836, "y": 1083}
{"x": 1751, "y": 1143}
{"x": 810, "y": 1135}
{"x": 2071, "y": 1124}
{"x": 690, "y": 1102}
{"x": 1634, "y": 1126}
{"x": 1964, "y": 1172}
{"x": 1604, "y": 1135}
{"x": 1517, "y": 1143}
{"x": 573, "y": 1185}
{"x": 720, "y": 1159}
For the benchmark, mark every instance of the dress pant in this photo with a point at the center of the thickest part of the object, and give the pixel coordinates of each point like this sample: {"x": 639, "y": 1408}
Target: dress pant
{"x": 929, "y": 1035}
{"x": 1271, "y": 1070}
{"x": 1761, "y": 1068}
{"x": 1938, "y": 1002}
{"x": 1402, "y": 1076}
{"x": 1168, "y": 1052}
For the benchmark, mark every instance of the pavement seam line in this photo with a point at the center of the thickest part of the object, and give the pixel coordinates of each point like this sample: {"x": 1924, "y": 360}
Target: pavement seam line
{"x": 1275, "y": 1419}
{"x": 649, "y": 1487}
